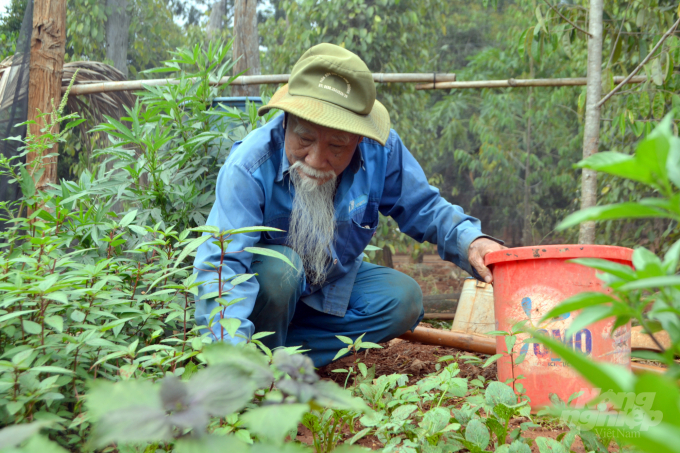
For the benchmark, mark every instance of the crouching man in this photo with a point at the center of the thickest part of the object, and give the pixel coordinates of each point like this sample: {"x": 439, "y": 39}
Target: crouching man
{"x": 322, "y": 172}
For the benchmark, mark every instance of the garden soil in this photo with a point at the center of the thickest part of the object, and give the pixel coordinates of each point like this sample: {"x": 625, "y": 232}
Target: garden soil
{"x": 417, "y": 360}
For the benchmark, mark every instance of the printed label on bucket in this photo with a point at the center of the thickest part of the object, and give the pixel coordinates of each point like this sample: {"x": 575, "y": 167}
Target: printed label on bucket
{"x": 532, "y": 303}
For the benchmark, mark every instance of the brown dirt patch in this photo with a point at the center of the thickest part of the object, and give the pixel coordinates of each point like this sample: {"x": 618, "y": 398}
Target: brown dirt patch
{"x": 434, "y": 275}
{"x": 403, "y": 357}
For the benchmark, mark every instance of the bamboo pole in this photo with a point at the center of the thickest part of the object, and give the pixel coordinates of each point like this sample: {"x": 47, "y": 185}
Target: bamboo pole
{"x": 132, "y": 85}
{"x": 520, "y": 83}
{"x": 465, "y": 341}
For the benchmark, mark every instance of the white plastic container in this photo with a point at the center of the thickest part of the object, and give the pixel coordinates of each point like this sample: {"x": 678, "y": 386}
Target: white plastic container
{"x": 475, "y": 313}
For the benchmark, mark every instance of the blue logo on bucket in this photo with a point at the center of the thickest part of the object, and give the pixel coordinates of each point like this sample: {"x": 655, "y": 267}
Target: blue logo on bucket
{"x": 582, "y": 341}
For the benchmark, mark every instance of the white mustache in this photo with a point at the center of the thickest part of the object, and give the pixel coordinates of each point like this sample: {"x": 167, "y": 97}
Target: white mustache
{"x": 309, "y": 171}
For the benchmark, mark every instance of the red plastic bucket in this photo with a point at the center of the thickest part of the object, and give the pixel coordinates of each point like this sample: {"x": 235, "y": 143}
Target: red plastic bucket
{"x": 528, "y": 282}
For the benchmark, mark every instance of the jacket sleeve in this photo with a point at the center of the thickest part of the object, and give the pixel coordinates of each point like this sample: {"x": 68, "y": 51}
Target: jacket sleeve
{"x": 239, "y": 202}
{"x": 421, "y": 212}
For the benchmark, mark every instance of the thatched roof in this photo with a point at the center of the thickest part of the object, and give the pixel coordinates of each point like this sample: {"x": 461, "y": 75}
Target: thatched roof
{"x": 90, "y": 106}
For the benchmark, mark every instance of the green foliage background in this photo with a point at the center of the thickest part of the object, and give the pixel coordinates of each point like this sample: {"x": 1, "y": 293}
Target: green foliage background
{"x": 472, "y": 143}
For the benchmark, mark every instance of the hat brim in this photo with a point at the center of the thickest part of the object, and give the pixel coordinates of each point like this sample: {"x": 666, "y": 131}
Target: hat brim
{"x": 375, "y": 125}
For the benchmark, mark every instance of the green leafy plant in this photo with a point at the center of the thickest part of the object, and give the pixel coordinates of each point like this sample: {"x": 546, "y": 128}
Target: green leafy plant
{"x": 354, "y": 346}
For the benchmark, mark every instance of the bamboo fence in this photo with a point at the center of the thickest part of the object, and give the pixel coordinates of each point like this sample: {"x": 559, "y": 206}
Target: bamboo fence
{"x": 132, "y": 85}
{"x": 520, "y": 83}
{"x": 426, "y": 81}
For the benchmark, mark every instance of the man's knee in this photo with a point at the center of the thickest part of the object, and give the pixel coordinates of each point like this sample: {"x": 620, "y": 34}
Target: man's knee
{"x": 408, "y": 302}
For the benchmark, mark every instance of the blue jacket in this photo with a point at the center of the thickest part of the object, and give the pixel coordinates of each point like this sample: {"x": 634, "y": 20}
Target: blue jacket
{"x": 253, "y": 189}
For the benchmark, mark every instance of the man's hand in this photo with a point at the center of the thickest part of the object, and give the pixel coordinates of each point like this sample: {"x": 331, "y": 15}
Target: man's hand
{"x": 476, "y": 253}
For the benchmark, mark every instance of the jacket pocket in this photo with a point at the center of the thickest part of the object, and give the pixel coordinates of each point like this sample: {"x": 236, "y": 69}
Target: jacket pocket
{"x": 360, "y": 232}
{"x": 276, "y": 237}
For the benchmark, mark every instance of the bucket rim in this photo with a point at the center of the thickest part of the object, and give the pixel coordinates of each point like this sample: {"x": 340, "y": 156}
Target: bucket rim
{"x": 559, "y": 251}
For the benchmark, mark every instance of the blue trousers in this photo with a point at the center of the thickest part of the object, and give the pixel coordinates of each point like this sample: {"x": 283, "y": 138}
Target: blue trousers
{"x": 384, "y": 304}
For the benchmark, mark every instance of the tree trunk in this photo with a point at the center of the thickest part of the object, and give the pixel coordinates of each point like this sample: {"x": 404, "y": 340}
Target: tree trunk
{"x": 216, "y": 20}
{"x": 527, "y": 234}
{"x": 591, "y": 130}
{"x": 387, "y": 257}
{"x": 117, "y": 29}
{"x": 48, "y": 39}
{"x": 246, "y": 45}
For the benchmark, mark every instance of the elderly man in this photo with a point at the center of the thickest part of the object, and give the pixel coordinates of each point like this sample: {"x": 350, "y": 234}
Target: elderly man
{"x": 322, "y": 172}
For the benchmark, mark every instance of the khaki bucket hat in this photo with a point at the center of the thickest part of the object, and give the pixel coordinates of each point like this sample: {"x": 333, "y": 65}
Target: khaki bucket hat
{"x": 333, "y": 87}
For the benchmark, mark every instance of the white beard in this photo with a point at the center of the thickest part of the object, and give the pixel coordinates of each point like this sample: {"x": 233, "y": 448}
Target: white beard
{"x": 312, "y": 220}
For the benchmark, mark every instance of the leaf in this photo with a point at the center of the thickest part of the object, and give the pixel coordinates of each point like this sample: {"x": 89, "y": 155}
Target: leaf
{"x": 644, "y": 104}
{"x": 340, "y": 353}
{"x": 617, "y": 164}
{"x": 241, "y": 278}
{"x": 275, "y": 421}
{"x": 358, "y": 436}
{"x": 12, "y": 436}
{"x": 231, "y": 325}
{"x": 212, "y": 443}
{"x": 129, "y": 217}
{"x": 628, "y": 210}
{"x": 510, "y": 341}
{"x": 78, "y": 316}
{"x": 27, "y": 184}
{"x": 252, "y": 230}
{"x": 478, "y": 434}
{"x": 436, "y": 420}
{"x": 15, "y": 314}
{"x": 345, "y": 339}
{"x": 491, "y": 360}
{"x": 588, "y": 316}
{"x": 32, "y": 327}
{"x": 259, "y": 335}
{"x": 206, "y": 229}
{"x": 540, "y": 19}
{"x": 577, "y": 302}
{"x": 270, "y": 252}
{"x": 401, "y": 413}
{"x": 605, "y": 376}
{"x": 457, "y": 387}
{"x": 59, "y": 296}
{"x": 546, "y": 445}
{"x": 371, "y": 248}
{"x": 497, "y": 393}
{"x": 51, "y": 369}
{"x": 658, "y": 105}
{"x": 369, "y": 345}
{"x": 619, "y": 270}
{"x": 190, "y": 247}
{"x": 56, "y": 322}
{"x": 651, "y": 283}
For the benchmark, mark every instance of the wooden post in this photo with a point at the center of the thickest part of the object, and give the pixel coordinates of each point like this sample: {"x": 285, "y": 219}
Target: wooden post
{"x": 47, "y": 62}
{"x": 591, "y": 129}
{"x": 246, "y": 45}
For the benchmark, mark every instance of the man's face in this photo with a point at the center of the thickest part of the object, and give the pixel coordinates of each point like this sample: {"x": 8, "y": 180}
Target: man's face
{"x": 319, "y": 147}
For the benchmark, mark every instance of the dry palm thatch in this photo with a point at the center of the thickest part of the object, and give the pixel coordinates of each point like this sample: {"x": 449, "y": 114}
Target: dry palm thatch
{"x": 94, "y": 106}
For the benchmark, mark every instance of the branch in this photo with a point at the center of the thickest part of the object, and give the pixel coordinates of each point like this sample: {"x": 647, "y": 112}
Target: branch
{"x": 560, "y": 14}
{"x": 641, "y": 65}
